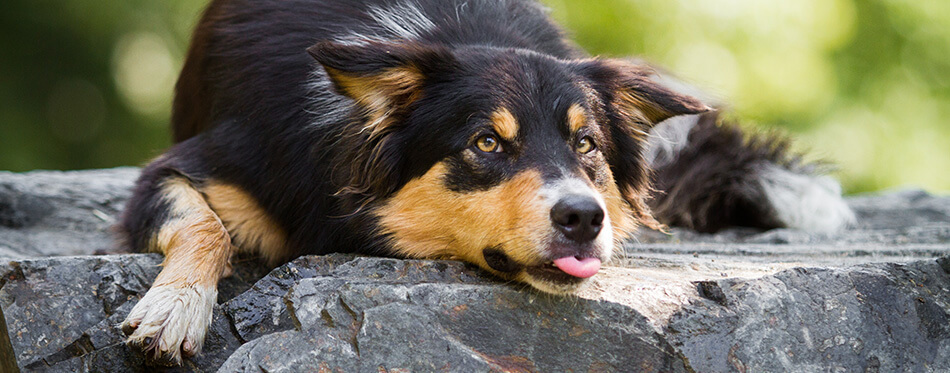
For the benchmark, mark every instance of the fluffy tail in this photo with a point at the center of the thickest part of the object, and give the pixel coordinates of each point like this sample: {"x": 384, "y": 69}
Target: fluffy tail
{"x": 710, "y": 175}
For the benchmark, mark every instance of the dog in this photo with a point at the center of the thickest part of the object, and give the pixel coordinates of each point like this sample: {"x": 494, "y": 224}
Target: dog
{"x": 462, "y": 129}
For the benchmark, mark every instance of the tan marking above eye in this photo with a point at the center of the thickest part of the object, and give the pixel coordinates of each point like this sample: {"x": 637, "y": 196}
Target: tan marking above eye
{"x": 488, "y": 144}
{"x": 577, "y": 118}
{"x": 584, "y": 145}
{"x": 504, "y": 123}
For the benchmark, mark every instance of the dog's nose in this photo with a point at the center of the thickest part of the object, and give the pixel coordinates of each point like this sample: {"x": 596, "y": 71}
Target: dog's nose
{"x": 579, "y": 217}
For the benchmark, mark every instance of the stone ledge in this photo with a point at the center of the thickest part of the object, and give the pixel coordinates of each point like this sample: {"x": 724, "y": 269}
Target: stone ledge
{"x": 876, "y": 297}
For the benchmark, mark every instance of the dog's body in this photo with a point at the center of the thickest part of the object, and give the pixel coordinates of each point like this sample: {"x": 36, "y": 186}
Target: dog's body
{"x": 467, "y": 129}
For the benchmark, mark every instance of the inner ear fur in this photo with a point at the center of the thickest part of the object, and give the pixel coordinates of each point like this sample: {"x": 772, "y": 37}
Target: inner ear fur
{"x": 382, "y": 92}
{"x": 638, "y": 99}
{"x": 380, "y": 77}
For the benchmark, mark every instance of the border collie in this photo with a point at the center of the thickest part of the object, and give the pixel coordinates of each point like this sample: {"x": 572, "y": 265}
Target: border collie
{"x": 461, "y": 129}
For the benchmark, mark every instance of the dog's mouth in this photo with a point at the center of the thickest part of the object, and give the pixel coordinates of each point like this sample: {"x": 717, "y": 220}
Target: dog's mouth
{"x": 560, "y": 275}
{"x": 565, "y": 271}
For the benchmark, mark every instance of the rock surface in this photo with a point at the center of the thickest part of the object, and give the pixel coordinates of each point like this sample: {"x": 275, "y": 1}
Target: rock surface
{"x": 873, "y": 298}
{"x": 45, "y": 213}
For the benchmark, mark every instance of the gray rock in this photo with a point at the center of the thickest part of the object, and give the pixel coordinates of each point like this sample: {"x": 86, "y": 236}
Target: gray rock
{"x": 261, "y": 309}
{"x": 65, "y": 311}
{"x": 45, "y": 213}
{"x": 425, "y": 315}
{"x": 873, "y": 298}
{"x": 880, "y": 317}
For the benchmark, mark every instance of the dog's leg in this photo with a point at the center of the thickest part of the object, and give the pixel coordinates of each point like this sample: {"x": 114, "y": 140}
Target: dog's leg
{"x": 713, "y": 175}
{"x": 176, "y": 220}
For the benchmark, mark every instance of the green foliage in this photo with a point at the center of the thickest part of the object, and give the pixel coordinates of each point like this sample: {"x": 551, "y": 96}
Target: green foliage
{"x": 87, "y": 83}
{"x": 863, "y": 83}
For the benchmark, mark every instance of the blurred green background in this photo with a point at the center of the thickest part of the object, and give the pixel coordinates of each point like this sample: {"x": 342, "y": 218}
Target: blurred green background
{"x": 863, "y": 83}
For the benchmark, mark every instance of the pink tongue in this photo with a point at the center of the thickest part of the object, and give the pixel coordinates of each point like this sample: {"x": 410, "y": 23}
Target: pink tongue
{"x": 582, "y": 268}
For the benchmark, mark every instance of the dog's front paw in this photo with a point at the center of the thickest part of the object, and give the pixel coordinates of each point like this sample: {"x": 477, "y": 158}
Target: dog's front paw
{"x": 169, "y": 321}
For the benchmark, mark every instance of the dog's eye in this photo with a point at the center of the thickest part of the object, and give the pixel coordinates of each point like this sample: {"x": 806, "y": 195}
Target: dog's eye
{"x": 488, "y": 144}
{"x": 584, "y": 145}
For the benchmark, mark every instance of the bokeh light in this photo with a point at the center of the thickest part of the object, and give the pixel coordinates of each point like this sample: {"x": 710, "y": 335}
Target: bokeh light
{"x": 144, "y": 72}
{"x": 864, "y": 84}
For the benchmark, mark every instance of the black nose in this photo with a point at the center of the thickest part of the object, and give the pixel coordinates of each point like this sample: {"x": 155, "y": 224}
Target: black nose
{"x": 579, "y": 217}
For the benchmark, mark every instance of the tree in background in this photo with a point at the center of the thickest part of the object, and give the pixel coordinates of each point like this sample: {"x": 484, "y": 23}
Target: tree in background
{"x": 863, "y": 83}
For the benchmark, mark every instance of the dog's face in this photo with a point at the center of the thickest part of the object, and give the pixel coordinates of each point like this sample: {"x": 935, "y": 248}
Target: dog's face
{"x": 525, "y": 165}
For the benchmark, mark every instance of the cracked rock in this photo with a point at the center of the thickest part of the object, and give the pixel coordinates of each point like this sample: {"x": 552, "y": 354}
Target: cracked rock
{"x": 64, "y": 312}
{"x": 873, "y": 298}
{"x": 454, "y": 326}
{"x": 893, "y": 317}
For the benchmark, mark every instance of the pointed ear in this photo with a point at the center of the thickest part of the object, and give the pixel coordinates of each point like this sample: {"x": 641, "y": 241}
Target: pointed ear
{"x": 630, "y": 89}
{"x": 380, "y": 77}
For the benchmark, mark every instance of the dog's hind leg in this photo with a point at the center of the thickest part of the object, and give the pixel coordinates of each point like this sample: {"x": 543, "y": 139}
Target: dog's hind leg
{"x": 171, "y": 216}
{"x": 712, "y": 175}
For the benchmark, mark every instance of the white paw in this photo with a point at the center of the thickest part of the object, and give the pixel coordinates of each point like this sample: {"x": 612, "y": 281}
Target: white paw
{"x": 811, "y": 203}
{"x": 170, "y": 320}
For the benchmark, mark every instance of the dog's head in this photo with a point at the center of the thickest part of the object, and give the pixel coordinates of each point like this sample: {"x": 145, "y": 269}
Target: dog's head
{"x": 526, "y": 165}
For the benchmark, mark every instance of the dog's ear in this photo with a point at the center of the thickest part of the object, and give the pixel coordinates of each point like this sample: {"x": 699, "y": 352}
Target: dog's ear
{"x": 380, "y": 77}
{"x": 637, "y": 98}
{"x": 384, "y": 80}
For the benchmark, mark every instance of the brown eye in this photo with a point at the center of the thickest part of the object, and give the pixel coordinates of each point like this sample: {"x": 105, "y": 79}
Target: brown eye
{"x": 584, "y": 145}
{"x": 488, "y": 144}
